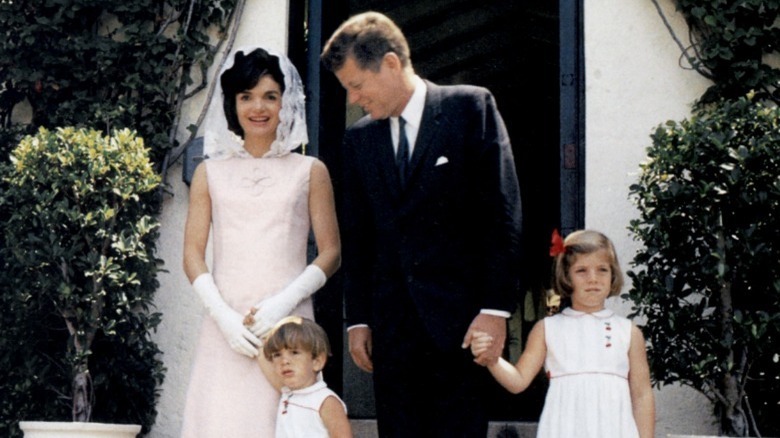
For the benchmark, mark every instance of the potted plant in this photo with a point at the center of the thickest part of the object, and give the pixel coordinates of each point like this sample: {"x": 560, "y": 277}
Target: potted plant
{"x": 79, "y": 252}
{"x": 706, "y": 281}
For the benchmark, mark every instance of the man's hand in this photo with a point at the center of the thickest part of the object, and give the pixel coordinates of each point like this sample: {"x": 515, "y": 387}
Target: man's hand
{"x": 360, "y": 347}
{"x": 495, "y": 327}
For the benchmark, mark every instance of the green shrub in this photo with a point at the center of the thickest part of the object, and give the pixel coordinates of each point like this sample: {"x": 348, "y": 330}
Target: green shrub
{"x": 732, "y": 44}
{"x": 79, "y": 258}
{"x": 111, "y": 64}
{"x": 707, "y": 279}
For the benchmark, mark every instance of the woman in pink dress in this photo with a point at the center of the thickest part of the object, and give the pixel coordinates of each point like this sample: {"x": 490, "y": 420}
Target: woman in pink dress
{"x": 257, "y": 201}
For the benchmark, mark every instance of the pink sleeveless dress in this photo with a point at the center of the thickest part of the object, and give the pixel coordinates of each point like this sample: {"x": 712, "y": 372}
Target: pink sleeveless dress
{"x": 260, "y": 228}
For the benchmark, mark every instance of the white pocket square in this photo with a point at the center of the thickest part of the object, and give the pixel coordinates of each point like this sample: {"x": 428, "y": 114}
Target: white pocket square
{"x": 442, "y": 160}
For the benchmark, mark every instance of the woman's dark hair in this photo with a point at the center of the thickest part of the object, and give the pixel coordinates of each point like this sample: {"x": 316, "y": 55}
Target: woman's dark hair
{"x": 244, "y": 75}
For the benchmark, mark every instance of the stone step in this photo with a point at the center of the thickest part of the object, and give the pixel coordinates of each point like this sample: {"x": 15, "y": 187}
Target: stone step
{"x": 510, "y": 429}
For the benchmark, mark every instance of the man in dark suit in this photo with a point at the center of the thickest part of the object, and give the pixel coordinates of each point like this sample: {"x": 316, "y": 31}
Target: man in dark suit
{"x": 431, "y": 221}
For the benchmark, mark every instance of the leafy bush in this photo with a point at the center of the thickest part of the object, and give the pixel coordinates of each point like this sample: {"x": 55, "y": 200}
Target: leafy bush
{"x": 110, "y": 63}
{"x": 79, "y": 256}
{"x": 707, "y": 280}
{"x": 732, "y": 43}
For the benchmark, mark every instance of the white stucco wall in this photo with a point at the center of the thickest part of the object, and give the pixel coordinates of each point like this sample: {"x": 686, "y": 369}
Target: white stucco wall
{"x": 264, "y": 24}
{"x": 633, "y": 83}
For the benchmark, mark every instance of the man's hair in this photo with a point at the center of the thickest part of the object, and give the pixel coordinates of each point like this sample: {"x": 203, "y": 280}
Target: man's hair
{"x": 367, "y": 37}
{"x": 296, "y": 332}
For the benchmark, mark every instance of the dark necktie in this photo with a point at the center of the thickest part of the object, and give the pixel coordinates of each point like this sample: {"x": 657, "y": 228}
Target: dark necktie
{"x": 402, "y": 155}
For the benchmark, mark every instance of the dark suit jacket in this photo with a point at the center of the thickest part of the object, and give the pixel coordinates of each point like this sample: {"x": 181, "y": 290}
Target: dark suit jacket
{"x": 451, "y": 238}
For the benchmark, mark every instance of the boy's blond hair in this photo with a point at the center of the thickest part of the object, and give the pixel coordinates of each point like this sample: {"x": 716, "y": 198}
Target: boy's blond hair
{"x": 296, "y": 332}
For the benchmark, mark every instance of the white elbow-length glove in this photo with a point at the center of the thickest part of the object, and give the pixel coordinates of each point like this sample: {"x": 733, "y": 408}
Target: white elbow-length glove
{"x": 268, "y": 312}
{"x": 230, "y": 322}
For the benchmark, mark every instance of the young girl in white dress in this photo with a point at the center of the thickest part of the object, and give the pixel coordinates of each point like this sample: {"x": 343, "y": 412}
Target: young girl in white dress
{"x": 294, "y": 353}
{"x": 595, "y": 360}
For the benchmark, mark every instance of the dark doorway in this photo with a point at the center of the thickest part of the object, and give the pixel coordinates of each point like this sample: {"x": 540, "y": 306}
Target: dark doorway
{"x": 521, "y": 51}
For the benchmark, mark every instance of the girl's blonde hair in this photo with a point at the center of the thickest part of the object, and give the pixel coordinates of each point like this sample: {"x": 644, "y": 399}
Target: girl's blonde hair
{"x": 584, "y": 242}
{"x": 296, "y": 332}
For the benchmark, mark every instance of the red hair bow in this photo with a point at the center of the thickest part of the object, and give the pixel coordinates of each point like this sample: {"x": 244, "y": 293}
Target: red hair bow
{"x": 557, "y": 246}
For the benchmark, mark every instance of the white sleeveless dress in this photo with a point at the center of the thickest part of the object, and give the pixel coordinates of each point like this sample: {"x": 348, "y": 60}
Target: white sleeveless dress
{"x": 587, "y": 365}
{"x": 260, "y": 229}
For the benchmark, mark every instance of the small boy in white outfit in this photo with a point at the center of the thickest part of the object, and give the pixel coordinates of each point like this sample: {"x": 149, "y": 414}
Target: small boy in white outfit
{"x": 294, "y": 353}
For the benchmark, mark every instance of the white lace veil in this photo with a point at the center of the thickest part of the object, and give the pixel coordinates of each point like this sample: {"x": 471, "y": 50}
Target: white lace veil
{"x": 220, "y": 143}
